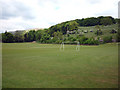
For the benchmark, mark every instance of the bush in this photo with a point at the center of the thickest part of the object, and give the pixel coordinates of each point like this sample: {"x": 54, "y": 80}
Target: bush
{"x": 91, "y": 41}
{"x": 83, "y": 39}
{"x": 53, "y": 40}
{"x": 73, "y": 39}
{"x": 107, "y": 39}
{"x": 58, "y": 42}
{"x": 96, "y": 42}
{"x": 70, "y": 38}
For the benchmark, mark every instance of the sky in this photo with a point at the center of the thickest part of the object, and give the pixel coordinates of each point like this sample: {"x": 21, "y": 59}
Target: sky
{"x": 30, "y": 14}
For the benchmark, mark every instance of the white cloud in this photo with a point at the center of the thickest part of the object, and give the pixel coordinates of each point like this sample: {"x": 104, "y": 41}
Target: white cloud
{"x": 25, "y": 14}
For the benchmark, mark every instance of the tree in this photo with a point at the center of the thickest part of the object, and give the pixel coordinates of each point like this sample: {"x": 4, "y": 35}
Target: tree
{"x": 80, "y": 21}
{"x": 118, "y": 34}
{"x": 106, "y": 21}
{"x": 26, "y": 38}
{"x": 58, "y": 35}
{"x": 7, "y": 37}
{"x": 45, "y": 38}
{"x": 18, "y": 37}
{"x": 30, "y": 36}
{"x": 90, "y": 21}
{"x": 0, "y": 37}
{"x": 73, "y": 25}
{"x": 38, "y": 35}
{"x": 63, "y": 27}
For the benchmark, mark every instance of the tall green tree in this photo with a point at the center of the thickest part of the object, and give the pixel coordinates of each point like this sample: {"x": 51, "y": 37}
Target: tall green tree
{"x": 118, "y": 34}
{"x": 38, "y": 35}
{"x": 58, "y": 35}
{"x": 90, "y": 21}
{"x": 106, "y": 21}
{"x": 45, "y": 38}
{"x": 73, "y": 25}
{"x": 26, "y": 38}
{"x": 7, "y": 37}
{"x": 18, "y": 37}
{"x": 30, "y": 36}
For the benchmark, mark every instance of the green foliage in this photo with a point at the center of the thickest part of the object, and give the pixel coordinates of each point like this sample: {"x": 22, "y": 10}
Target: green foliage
{"x": 118, "y": 34}
{"x": 38, "y": 35}
{"x": 53, "y": 40}
{"x": 73, "y": 25}
{"x": 63, "y": 27}
{"x": 30, "y": 36}
{"x": 58, "y": 42}
{"x": 106, "y": 21}
{"x": 107, "y": 39}
{"x": 98, "y": 32}
{"x": 92, "y": 21}
{"x": 7, "y": 37}
{"x": 74, "y": 39}
{"x": 70, "y": 38}
{"x": 58, "y": 35}
{"x": 91, "y": 41}
{"x": 82, "y": 39}
{"x": 18, "y": 37}
{"x": 45, "y": 38}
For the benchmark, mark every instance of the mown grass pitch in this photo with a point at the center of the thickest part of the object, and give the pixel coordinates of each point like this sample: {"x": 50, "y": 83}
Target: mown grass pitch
{"x": 33, "y": 65}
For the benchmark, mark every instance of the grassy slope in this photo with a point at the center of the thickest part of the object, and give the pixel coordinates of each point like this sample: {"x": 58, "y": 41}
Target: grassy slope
{"x": 38, "y": 65}
{"x": 105, "y": 29}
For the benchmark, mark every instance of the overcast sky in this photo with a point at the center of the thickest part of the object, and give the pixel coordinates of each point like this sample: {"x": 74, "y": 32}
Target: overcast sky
{"x": 28, "y": 14}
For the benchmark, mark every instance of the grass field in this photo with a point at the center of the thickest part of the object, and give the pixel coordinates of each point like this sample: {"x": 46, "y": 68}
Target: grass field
{"x": 33, "y": 65}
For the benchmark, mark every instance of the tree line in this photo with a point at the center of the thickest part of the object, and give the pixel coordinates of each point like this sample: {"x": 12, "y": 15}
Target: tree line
{"x": 74, "y": 24}
{"x": 58, "y": 33}
{"x": 92, "y": 21}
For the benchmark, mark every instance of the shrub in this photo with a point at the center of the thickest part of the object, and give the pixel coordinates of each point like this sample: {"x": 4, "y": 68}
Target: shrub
{"x": 82, "y": 39}
{"x": 58, "y": 41}
{"x": 91, "y": 41}
{"x": 53, "y": 40}
{"x": 107, "y": 39}
{"x": 96, "y": 42}
{"x": 73, "y": 39}
{"x": 70, "y": 38}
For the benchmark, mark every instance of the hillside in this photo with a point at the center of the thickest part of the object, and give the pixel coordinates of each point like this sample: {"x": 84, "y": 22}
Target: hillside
{"x": 92, "y": 29}
{"x": 89, "y": 31}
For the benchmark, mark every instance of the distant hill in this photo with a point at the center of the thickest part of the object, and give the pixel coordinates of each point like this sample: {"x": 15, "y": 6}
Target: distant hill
{"x": 86, "y": 30}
